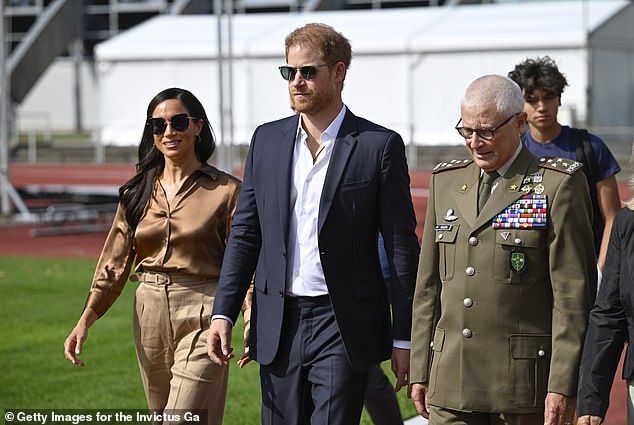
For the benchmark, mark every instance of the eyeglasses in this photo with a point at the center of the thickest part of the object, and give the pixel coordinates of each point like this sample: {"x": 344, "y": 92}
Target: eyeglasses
{"x": 483, "y": 133}
{"x": 308, "y": 72}
{"x": 178, "y": 122}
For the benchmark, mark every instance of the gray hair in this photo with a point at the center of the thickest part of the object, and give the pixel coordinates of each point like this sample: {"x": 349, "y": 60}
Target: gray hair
{"x": 498, "y": 89}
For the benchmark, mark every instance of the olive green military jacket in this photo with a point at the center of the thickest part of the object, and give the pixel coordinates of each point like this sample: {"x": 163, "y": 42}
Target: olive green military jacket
{"x": 500, "y": 311}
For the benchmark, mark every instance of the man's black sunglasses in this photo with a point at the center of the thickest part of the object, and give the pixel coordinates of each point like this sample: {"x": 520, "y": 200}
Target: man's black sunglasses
{"x": 178, "y": 122}
{"x": 308, "y": 72}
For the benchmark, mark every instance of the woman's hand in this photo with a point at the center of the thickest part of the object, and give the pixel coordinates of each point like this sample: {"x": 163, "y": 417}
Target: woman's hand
{"x": 74, "y": 343}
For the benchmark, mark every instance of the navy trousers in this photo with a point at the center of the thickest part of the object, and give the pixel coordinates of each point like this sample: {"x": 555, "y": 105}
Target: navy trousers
{"x": 311, "y": 380}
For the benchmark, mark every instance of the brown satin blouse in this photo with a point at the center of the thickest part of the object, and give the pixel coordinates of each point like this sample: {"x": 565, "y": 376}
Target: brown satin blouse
{"x": 187, "y": 236}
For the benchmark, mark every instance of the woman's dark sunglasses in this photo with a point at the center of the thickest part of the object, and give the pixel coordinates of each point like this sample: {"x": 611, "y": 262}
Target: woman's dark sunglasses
{"x": 308, "y": 72}
{"x": 178, "y": 122}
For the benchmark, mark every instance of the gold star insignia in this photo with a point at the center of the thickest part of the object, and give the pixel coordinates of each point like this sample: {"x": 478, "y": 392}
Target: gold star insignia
{"x": 463, "y": 188}
{"x": 513, "y": 187}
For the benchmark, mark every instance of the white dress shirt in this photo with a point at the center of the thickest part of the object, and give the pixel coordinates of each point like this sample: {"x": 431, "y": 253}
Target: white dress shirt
{"x": 305, "y": 276}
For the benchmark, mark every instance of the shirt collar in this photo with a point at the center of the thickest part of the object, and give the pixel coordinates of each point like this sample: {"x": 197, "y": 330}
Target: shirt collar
{"x": 331, "y": 131}
{"x": 210, "y": 170}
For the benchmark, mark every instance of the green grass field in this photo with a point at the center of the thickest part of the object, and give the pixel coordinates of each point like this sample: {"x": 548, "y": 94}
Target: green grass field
{"x": 40, "y": 301}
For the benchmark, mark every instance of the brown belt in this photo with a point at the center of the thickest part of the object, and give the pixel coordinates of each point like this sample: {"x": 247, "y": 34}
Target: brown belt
{"x": 163, "y": 278}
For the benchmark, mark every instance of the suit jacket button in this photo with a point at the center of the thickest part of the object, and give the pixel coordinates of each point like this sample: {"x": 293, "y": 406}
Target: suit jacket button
{"x": 473, "y": 241}
{"x": 470, "y": 271}
{"x": 541, "y": 352}
{"x": 466, "y": 332}
{"x": 467, "y": 302}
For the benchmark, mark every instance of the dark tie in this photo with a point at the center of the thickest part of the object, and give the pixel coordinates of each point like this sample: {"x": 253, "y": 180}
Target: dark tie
{"x": 484, "y": 190}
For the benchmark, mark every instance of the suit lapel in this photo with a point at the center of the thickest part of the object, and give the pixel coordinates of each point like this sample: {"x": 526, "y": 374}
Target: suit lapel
{"x": 508, "y": 190}
{"x": 343, "y": 146}
{"x": 285, "y": 172}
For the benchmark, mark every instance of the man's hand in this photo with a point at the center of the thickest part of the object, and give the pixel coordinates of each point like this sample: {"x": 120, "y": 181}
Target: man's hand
{"x": 400, "y": 367}
{"x": 245, "y": 358}
{"x": 418, "y": 394}
{"x": 559, "y": 409}
{"x": 589, "y": 420}
{"x": 219, "y": 346}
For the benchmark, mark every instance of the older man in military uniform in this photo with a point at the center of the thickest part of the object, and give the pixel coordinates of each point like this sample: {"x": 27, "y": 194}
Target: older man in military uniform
{"x": 504, "y": 285}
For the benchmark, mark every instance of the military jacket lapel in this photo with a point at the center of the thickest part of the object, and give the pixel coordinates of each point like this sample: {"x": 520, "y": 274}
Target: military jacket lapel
{"x": 465, "y": 194}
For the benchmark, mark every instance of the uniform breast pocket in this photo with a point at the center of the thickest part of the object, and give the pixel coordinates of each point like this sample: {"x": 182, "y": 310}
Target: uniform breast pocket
{"x": 446, "y": 239}
{"x": 530, "y": 364}
{"x": 516, "y": 253}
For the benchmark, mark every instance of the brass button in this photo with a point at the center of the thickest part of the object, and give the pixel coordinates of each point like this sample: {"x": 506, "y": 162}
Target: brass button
{"x": 467, "y": 302}
{"x": 466, "y": 332}
{"x": 473, "y": 241}
{"x": 518, "y": 241}
{"x": 470, "y": 271}
{"x": 440, "y": 235}
{"x": 541, "y": 352}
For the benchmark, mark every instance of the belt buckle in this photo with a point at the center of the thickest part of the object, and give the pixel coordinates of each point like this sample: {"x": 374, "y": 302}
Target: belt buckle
{"x": 162, "y": 278}
{"x": 157, "y": 278}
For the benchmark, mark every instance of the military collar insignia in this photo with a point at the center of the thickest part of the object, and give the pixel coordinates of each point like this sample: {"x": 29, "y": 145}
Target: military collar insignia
{"x": 539, "y": 189}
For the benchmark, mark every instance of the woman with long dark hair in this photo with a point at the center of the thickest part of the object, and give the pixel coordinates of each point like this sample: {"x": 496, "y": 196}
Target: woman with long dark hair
{"x": 171, "y": 225}
{"x": 611, "y": 326}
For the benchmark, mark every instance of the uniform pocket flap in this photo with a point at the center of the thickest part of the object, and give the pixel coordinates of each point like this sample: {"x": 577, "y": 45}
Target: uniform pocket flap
{"x": 446, "y": 233}
{"x": 520, "y": 238}
{"x": 530, "y": 346}
{"x": 439, "y": 339}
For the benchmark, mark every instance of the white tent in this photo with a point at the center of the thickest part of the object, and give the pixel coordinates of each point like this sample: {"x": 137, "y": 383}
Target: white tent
{"x": 409, "y": 70}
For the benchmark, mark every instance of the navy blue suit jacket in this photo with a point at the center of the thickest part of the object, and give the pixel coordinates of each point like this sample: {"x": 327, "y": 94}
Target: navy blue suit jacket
{"x": 366, "y": 190}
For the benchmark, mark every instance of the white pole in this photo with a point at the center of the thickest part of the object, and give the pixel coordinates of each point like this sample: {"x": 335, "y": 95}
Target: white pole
{"x": 229, "y": 139}
{"x": 4, "y": 121}
{"x": 222, "y": 155}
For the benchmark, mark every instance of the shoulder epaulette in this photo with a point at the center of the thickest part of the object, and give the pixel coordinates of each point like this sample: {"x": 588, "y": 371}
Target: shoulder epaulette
{"x": 454, "y": 163}
{"x": 564, "y": 165}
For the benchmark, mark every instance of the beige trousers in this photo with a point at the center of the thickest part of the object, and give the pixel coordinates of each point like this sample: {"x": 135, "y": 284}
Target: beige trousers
{"x": 171, "y": 322}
